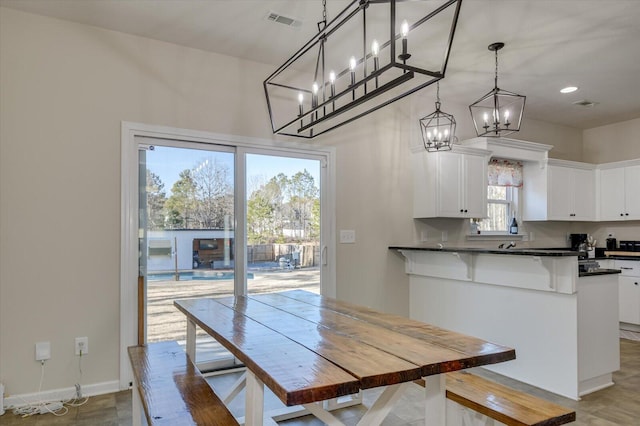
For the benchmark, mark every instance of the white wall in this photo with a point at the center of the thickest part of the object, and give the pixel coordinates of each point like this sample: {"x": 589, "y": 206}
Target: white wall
{"x": 615, "y": 142}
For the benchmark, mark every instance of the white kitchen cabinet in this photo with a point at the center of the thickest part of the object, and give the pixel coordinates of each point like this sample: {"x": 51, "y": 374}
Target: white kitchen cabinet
{"x": 450, "y": 184}
{"x": 563, "y": 190}
{"x": 629, "y": 291}
{"x": 620, "y": 193}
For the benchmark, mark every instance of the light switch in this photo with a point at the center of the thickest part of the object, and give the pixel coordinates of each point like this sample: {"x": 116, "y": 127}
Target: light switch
{"x": 347, "y": 236}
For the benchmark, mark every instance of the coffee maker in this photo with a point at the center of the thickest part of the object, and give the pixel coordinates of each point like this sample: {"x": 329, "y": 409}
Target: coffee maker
{"x": 579, "y": 244}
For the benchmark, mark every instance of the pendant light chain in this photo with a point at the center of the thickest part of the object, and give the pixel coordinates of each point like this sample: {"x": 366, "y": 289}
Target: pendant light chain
{"x": 323, "y": 24}
{"x": 496, "y": 78}
{"x": 438, "y": 95}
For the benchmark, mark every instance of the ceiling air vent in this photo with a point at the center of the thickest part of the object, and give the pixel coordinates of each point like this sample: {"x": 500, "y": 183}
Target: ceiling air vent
{"x": 585, "y": 103}
{"x": 285, "y": 20}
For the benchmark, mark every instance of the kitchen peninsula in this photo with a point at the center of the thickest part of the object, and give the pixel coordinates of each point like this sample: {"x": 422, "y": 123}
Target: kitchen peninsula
{"x": 562, "y": 323}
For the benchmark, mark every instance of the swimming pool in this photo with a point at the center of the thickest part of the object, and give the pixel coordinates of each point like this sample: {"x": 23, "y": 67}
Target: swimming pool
{"x": 194, "y": 276}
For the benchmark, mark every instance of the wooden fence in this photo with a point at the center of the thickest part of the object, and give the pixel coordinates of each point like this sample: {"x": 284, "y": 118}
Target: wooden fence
{"x": 307, "y": 255}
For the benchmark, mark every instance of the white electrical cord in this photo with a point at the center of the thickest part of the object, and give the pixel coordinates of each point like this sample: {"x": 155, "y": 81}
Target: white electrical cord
{"x": 56, "y": 408}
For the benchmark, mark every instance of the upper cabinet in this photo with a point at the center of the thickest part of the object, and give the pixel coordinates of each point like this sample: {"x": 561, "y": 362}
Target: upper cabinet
{"x": 619, "y": 191}
{"x": 450, "y": 183}
{"x": 559, "y": 190}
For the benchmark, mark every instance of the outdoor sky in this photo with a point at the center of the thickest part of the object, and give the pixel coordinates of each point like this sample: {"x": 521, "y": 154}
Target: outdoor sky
{"x": 167, "y": 163}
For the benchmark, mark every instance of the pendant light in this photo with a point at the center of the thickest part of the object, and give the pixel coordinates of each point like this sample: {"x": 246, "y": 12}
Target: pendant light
{"x": 371, "y": 54}
{"x": 438, "y": 128}
{"x": 499, "y": 112}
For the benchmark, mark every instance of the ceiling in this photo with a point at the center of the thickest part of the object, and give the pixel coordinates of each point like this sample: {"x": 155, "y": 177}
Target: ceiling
{"x": 550, "y": 44}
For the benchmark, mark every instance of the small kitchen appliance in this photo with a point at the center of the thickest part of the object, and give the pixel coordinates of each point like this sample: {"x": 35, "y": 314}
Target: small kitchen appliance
{"x": 612, "y": 244}
{"x": 579, "y": 244}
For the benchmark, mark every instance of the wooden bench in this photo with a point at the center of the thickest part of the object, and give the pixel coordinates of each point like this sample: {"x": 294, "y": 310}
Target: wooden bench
{"x": 504, "y": 404}
{"x": 171, "y": 390}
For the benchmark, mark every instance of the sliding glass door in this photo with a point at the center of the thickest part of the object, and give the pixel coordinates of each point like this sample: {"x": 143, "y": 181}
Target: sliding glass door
{"x": 218, "y": 220}
{"x": 283, "y": 223}
{"x": 186, "y": 236}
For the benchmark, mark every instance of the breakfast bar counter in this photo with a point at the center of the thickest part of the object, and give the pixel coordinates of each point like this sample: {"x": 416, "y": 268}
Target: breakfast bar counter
{"x": 564, "y": 325}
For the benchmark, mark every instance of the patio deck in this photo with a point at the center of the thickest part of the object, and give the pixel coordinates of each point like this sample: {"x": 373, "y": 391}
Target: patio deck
{"x": 165, "y": 322}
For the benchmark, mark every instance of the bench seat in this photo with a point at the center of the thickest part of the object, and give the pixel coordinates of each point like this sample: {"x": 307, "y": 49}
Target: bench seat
{"x": 501, "y": 403}
{"x": 171, "y": 389}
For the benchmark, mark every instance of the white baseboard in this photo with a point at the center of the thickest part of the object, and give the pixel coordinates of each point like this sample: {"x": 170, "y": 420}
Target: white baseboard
{"x": 62, "y": 394}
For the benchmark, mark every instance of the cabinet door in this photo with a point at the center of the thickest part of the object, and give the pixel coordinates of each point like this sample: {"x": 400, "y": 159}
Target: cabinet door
{"x": 475, "y": 186}
{"x": 584, "y": 198}
{"x": 560, "y": 193}
{"x": 632, "y": 192}
{"x": 629, "y": 299}
{"x": 449, "y": 185}
{"x": 612, "y": 194}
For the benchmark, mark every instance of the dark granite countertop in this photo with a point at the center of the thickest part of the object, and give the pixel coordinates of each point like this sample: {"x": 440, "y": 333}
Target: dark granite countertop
{"x": 599, "y": 272}
{"x": 511, "y": 251}
{"x": 618, "y": 258}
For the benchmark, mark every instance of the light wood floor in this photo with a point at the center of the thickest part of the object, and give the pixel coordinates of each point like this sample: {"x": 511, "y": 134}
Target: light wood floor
{"x": 617, "y": 405}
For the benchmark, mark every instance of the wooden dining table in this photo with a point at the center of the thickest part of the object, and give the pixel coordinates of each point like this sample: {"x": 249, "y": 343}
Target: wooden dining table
{"x": 310, "y": 350}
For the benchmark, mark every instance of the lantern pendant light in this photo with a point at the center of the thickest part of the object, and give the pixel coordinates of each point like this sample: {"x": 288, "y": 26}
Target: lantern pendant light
{"x": 499, "y": 112}
{"x": 438, "y": 128}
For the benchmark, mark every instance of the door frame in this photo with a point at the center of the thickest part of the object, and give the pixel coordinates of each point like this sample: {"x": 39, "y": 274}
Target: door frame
{"x": 243, "y": 145}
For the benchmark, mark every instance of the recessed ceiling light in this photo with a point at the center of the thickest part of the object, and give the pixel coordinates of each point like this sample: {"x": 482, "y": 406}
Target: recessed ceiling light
{"x": 568, "y": 89}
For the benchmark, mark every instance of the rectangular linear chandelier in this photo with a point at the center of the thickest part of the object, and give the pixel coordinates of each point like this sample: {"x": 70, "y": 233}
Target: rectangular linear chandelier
{"x": 359, "y": 62}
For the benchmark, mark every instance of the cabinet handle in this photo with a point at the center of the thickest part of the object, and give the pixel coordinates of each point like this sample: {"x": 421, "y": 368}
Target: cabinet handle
{"x": 626, "y": 214}
{"x": 465, "y": 210}
{"x": 621, "y": 214}
{"x": 624, "y": 267}
{"x": 461, "y": 210}
{"x": 636, "y": 283}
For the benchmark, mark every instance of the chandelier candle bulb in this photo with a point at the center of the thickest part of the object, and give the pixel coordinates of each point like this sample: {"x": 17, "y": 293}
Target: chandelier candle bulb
{"x": 314, "y": 97}
{"x": 332, "y": 80}
{"x": 375, "y": 50}
{"x": 352, "y": 67}
{"x": 404, "y": 30}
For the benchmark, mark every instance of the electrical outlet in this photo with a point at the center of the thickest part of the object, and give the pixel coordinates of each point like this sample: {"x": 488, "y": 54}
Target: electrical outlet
{"x": 347, "y": 236}
{"x": 43, "y": 351}
{"x": 82, "y": 344}
{"x": 445, "y": 236}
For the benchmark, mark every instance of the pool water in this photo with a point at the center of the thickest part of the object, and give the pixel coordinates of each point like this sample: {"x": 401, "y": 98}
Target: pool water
{"x": 194, "y": 276}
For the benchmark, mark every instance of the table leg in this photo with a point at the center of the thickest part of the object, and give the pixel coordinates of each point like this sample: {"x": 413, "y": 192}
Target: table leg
{"x": 254, "y": 400}
{"x": 435, "y": 400}
{"x": 383, "y": 405}
{"x": 191, "y": 340}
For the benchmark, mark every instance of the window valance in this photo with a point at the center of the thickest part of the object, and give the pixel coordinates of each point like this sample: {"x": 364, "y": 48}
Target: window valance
{"x": 505, "y": 172}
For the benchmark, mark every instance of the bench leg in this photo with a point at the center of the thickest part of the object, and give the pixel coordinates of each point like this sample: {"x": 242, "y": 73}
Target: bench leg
{"x": 191, "y": 340}
{"x": 137, "y": 413}
{"x": 435, "y": 400}
{"x": 254, "y": 401}
{"x": 458, "y": 415}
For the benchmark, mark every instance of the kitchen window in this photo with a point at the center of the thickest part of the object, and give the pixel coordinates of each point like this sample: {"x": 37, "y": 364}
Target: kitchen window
{"x": 503, "y": 196}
